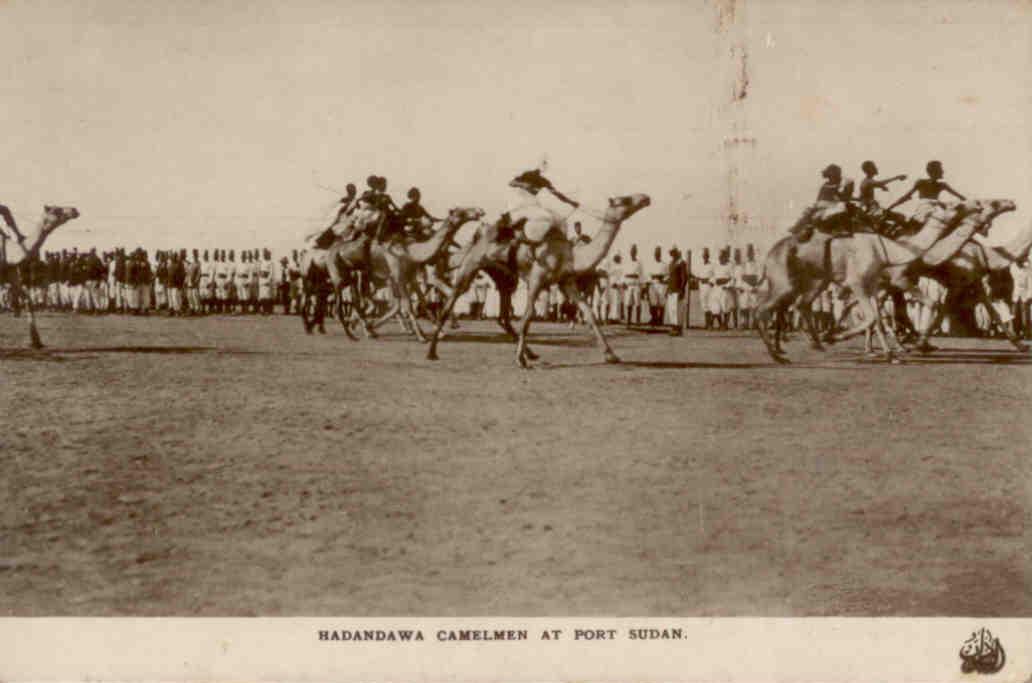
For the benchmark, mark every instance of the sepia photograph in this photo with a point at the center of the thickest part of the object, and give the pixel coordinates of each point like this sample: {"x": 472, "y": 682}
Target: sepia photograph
{"x": 580, "y": 309}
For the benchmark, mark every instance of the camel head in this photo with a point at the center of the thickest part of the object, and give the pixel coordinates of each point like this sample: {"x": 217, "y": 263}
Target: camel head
{"x": 986, "y": 210}
{"x": 53, "y": 216}
{"x": 622, "y": 208}
{"x": 464, "y": 214}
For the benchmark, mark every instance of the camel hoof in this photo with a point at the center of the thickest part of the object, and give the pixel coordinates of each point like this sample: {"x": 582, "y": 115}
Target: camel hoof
{"x": 925, "y": 347}
{"x": 432, "y": 355}
{"x": 782, "y": 360}
{"x": 816, "y": 346}
{"x": 522, "y": 363}
{"x": 1021, "y": 347}
{"x": 531, "y": 355}
{"x": 612, "y": 358}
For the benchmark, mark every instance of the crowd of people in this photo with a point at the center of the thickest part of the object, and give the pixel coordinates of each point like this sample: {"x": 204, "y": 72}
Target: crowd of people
{"x": 629, "y": 292}
{"x": 176, "y": 282}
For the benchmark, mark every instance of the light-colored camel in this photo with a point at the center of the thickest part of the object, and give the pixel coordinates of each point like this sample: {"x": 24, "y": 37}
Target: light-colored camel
{"x": 554, "y": 261}
{"x": 863, "y": 262}
{"x": 503, "y": 274}
{"x": 396, "y": 264}
{"x": 53, "y": 218}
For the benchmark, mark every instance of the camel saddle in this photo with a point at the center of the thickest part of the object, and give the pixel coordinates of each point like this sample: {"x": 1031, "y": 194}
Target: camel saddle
{"x": 830, "y": 218}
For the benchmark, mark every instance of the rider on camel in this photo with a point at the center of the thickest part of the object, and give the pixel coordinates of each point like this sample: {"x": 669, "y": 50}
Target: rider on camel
{"x": 832, "y": 209}
{"x": 928, "y": 191}
{"x": 525, "y": 206}
{"x": 413, "y": 215}
{"x": 869, "y": 204}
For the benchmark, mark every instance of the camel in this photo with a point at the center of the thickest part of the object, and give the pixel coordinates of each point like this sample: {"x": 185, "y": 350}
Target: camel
{"x": 970, "y": 266}
{"x": 315, "y": 276}
{"x": 863, "y": 262}
{"x": 504, "y": 276}
{"x": 555, "y": 260}
{"x": 396, "y": 263}
{"x": 53, "y": 218}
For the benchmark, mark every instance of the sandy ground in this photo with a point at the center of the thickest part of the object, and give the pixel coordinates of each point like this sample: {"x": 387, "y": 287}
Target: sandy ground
{"x": 236, "y": 466}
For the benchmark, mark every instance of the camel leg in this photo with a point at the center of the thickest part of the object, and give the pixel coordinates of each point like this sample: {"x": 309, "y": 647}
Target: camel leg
{"x": 770, "y": 307}
{"x": 803, "y": 304}
{"x": 345, "y": 318}
{"x": 505, "y": 314}
{"x": 405, "y": 300}
{"x": 879, "y": 329}
{"x": 391, "y": 313}
{"x": 994, "y": 316}
{"x": 34, "y": 339}
{"x": 306, "y": 315}
{"x": 321, "y": 301}
{"x": 842, "y": 320}
{"x": 535, "y": 282}
{"x": 505, "y": 292}
{"x": 364, "y": 306}
{"x": 463, "y": 280}
{"x": 869, "y": 308}
{"x": 929, "y": 318}
{"x": 573, "y": 294}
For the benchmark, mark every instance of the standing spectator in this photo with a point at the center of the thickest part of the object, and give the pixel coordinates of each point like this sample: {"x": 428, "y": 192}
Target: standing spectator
{"x": 284, "y": 285}
{"x": 750, "y": 281}
{"x": 95, "y": 274}
{"x": 615, "y": 291}
{"x": 77, "y": 273}
{"x": 267, "y": 281}
{"x": 677, "y": 290}
{"x": 122, "y": 280}
{"x": 737, "y": 289}
{"x": 481, "y": 286}
{"x": 160, "y": 269}
{"x": 176, "y": 283}
{"x": 296, "y": 289}
{"x": 705, "y": 277}
{"x": 633, "y": 280}
{"x": 193, "y": 283}
{"x": 720, "y": 297}
{"x": 144, "y": 282}
{"x": 601, "y": 304}
{"x": 1021, "y": 273}
{"x": 657, "y": 288}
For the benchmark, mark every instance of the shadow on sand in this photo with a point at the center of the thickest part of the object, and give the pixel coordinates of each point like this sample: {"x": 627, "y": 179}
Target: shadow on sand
{"x": 502, "y": 338}
{"x": 944, "y": 357}
{"x": 656, "y": 365}
{"x": 59, "y": 354}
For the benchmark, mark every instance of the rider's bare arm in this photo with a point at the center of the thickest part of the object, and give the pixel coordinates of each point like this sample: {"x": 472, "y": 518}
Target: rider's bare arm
{"x": 561, "y": 197}
{"x": 426, "y": 214}
{"x": 884, "y": 184}
{"x": 953, "y": 192}
{"x": 904, "y": 198}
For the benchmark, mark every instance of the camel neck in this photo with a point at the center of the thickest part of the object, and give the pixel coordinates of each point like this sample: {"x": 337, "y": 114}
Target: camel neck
{"x": 587, "y": 256}
{"x": 427, "y": 250}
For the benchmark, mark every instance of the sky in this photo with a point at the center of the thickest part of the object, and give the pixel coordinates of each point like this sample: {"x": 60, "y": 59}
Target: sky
{"x": 216, "y": 123}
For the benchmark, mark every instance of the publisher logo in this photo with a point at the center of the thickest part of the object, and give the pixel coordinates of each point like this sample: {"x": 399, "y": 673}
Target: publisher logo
{"x": 982, "y": 653}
